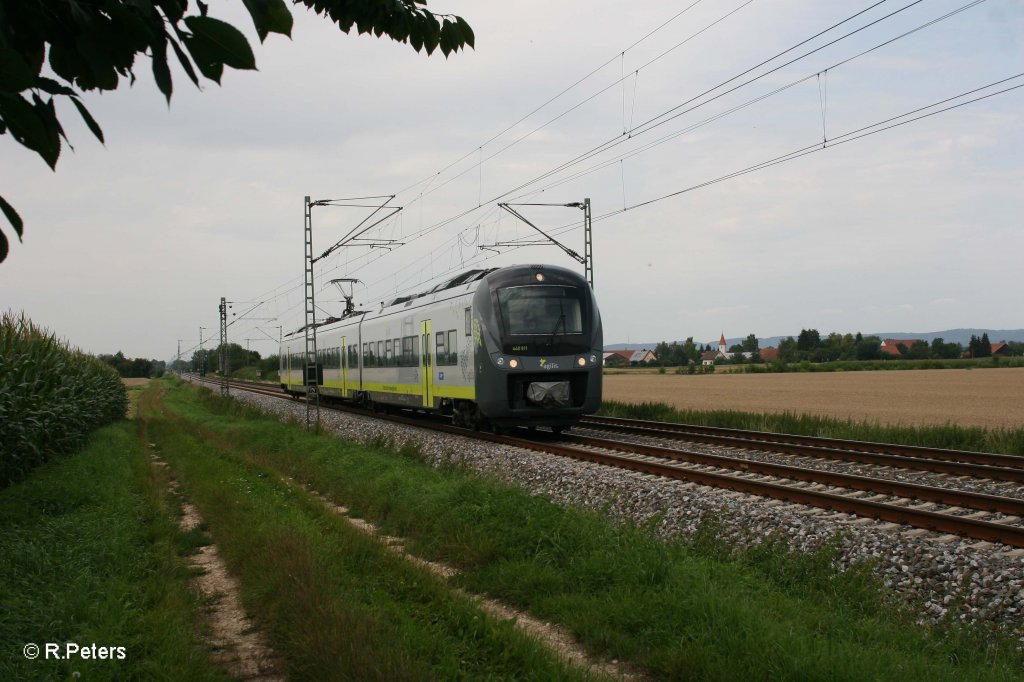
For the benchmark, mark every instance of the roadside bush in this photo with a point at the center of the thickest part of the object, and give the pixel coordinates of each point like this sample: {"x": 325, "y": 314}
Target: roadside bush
{"x": 51, "y": 397}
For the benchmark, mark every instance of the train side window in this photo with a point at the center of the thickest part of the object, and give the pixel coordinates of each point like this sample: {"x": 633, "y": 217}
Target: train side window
{"x": 406, "y": 351}
{"x": 415, "y": 351}
{"x": 380, "y": 354}
{"x": 387, "y": 354}
{"x": 469, "y": 322}
{"x": 453, "y": 351}
{"x": 439, "y": 349}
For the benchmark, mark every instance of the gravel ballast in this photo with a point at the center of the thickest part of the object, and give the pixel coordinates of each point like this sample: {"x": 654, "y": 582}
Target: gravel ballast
{"x": 946, "y": 577}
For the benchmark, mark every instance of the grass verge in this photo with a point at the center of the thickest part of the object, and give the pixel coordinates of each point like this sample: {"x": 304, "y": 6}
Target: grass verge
{"x": 694, "y": 610}
{"x": 334, "y": 603}
{"x": 1000, "y": 440}
{"x": 88, "y": 556}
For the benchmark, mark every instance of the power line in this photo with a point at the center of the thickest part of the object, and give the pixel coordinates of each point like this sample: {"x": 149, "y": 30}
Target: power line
{"x": 850, "y": 136}
{"x": 652, "y": 123}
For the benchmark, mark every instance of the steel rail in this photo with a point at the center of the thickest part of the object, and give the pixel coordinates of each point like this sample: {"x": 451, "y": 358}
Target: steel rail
{"x": 959, "y": 498}
{"x": 962, "y": 463}
{"x": 946, "y": 523}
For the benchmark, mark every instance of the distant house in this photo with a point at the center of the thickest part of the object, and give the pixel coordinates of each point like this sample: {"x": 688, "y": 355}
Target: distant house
{"x": 1000, "y": 349}
{"x": 628, "y": 357}
{"x": 708, "y": 357}
{"x": 769, "y": 354}
{"x": 613, "y": 358}
{"x": 891, "y": 346}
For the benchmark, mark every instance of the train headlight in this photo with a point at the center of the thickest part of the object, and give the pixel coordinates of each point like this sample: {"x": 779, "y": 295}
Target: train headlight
{"x": 500, "y": 362}
{"x": 582, "y": 362}
{"x": 513, "y": 363}
{"x": 593, "y": 358}
{"x": 540, "y": 276}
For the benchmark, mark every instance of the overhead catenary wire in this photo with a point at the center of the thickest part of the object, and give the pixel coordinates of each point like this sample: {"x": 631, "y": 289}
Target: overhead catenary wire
{"x": 849, "y": 136}
{"x": 433, "y": 177}
{"x": 431, "y": 227}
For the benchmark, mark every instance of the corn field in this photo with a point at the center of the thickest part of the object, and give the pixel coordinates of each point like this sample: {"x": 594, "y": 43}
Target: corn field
{"x": 51, "y": 397}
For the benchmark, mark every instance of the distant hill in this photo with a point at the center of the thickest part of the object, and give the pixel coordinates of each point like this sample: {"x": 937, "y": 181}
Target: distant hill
{"x": 961, "y": 336}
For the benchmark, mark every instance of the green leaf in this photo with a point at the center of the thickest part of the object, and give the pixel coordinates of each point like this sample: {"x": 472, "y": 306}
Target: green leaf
{"x": 52, "y": 87}
{"x": 183, "y": 60}
{"x": 431, "y": 30}
{"x": 28, "y": 126}
{"x": 89, "y": 120}
{"x": 466, "y": 32}
{"x": 219, "y": 43}
{"x": 4, "y": 249}
{"x": 48, "y": 114}
{"x": 12, "y": 217}
{"x": 445, "y": 41}
{"x": 269, "y": 16}
{"x": 161, "y": 72}
{"x": 15, "y": 74}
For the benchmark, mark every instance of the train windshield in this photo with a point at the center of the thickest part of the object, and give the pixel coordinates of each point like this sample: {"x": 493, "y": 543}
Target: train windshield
{"x": 535, "y": 310}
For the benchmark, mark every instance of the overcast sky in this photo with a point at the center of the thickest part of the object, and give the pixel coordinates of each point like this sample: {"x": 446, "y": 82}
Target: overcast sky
{"x": 130, "y": 246}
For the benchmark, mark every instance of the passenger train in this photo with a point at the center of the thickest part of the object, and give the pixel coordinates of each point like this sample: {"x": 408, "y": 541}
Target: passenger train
{"x": 498, "y": 348}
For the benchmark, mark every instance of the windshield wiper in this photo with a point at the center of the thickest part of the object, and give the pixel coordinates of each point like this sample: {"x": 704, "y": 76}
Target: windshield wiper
{"x": 560, "y": 323}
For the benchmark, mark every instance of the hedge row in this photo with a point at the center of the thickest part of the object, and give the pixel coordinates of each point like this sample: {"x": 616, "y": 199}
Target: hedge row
{"x": 51, "y": 397}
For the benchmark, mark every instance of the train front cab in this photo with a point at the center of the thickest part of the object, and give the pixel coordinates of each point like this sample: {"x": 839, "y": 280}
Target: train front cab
{"x": 538, "y": 337}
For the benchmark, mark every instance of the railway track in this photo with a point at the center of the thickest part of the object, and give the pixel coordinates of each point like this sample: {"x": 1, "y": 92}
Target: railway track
{"x": 943, "y": 509}
{"x": 955, "y": 462}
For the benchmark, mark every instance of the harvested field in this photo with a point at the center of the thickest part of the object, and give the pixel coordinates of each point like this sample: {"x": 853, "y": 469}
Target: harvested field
{"x": 963, "y": 397}
{"x": 134, "y": 382}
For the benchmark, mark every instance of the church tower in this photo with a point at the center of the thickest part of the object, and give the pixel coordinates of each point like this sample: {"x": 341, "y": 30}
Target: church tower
{"x": 721, "y": 344}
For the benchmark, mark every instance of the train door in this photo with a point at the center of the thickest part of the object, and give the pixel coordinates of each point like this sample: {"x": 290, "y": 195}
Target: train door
{"x": 426, "y": 364}
{"x": 344, "y": 369}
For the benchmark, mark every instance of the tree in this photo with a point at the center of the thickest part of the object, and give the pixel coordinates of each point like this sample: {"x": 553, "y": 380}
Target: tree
{"x": 92, "y": 45}
{"x": 750, "y": 344}
{"x": 984, "y": 346}
{"x": 808, "y": 340}
{"x": 980, "y": 348}
{"x": 919, "y": 350}
{"x": 941, "y": 349}
{"x": 869, "y": 348}
{"x": 787, "y": 350}
{"x": 690, "y": 350}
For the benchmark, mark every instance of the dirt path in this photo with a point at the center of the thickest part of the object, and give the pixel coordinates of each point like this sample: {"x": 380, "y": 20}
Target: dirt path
{"x": 975, "y": 397}
{"x": 234, "y": 641}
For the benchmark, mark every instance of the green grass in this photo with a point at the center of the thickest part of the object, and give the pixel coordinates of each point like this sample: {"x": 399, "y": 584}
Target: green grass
{"x": 681, "y": 610}
{"x": 88, "y": 555}
{"x": 333, "y": 602}
{"x": 250, "y": 374}
{"x": 999, "y": 440}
